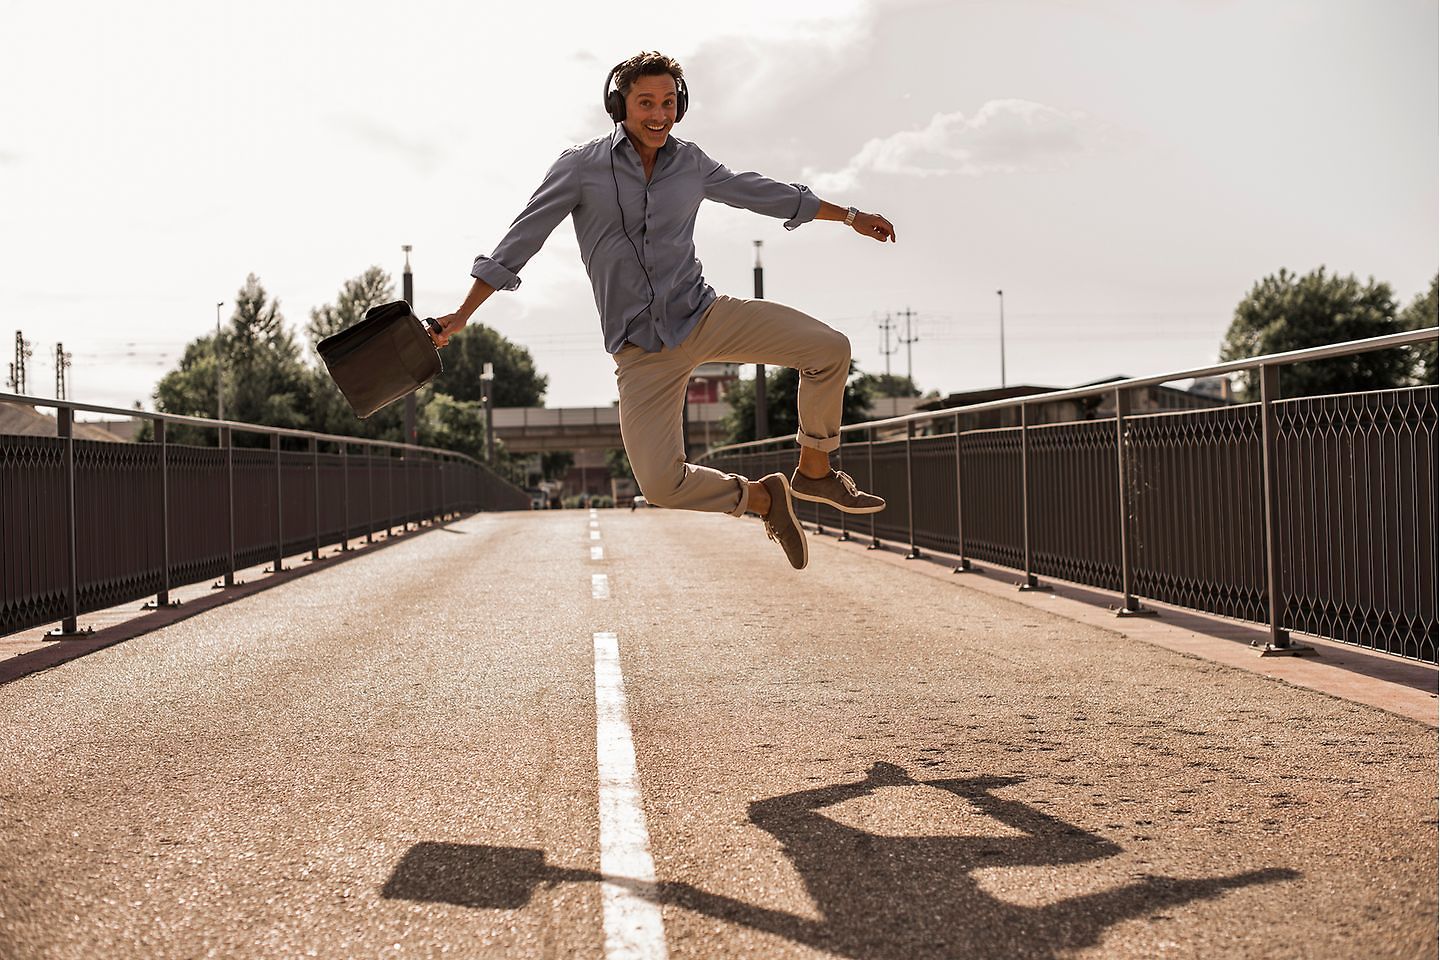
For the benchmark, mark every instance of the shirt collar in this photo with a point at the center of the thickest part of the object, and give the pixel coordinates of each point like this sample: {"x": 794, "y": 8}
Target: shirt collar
{"x": 620, "y": 137}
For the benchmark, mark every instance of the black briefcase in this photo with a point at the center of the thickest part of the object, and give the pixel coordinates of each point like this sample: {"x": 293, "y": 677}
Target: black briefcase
{"x": 382, "y": 358}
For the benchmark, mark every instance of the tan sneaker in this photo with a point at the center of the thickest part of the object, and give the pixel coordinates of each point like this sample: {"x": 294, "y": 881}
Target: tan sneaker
{"x": 837, "y": 490}
{"x": 781, "y": 524}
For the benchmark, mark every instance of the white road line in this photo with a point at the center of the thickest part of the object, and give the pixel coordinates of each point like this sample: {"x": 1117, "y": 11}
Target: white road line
{"x": 594, "y": 524}
{"x": 597, "y": 553}
{"x": 593, "y": 514}
{"x": 633, "y": 926}
{"x": 599, "y": 586}
{"x": 594, "y": 534}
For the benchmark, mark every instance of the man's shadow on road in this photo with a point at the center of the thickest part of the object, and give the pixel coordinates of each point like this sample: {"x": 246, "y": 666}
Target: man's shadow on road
{"x": 878, "y": 896}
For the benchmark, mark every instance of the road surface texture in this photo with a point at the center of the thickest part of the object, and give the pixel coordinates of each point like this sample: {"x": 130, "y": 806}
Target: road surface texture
{"x": 426, "y": 752}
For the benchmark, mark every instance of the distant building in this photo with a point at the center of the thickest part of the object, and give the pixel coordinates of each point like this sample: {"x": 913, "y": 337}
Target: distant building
{"x": 711, "y": 382}
{"x": 1152, "y": 399}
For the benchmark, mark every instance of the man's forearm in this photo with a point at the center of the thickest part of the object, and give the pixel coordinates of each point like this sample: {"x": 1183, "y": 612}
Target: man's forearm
{"x": 828, "y": 211}
{"x": 480, "y": 292}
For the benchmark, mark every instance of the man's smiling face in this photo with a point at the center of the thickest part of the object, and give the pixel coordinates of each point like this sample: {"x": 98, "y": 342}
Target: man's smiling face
{"x": 650, "y": 110}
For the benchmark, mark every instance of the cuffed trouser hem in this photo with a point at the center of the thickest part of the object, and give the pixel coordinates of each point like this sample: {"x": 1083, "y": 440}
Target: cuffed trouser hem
{"x": 827, "y": 445}
{"x": 744, "y": 504}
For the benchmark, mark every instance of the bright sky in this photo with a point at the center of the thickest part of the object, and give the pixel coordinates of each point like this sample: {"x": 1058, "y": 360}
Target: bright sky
{"x": 1125, "y": 171}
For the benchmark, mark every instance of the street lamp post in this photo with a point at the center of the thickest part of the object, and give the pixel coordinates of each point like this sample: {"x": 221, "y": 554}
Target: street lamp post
{"x": 1001, "y": 295}
{"x": 219, "y": 383}
{"x": 487, "y": 380}
{"x": 762, "y": 415}
{"x": 409, "y": 291}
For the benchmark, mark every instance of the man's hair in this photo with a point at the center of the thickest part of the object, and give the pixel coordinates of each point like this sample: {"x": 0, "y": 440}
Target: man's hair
{"x": 645, "y": 64}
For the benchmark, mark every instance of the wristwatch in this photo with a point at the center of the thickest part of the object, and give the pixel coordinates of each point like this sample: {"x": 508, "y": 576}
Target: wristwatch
{"x": 850, "y": 214}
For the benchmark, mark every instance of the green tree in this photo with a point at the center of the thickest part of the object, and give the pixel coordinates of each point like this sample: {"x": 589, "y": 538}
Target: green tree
{"x": 188, "y": 391}
{"x": 357, "y": 295}
{"x": 329, "y": 412}
{"x": 781, "y": 384}
{"x": 888, "y": 385}
{"x": 264, "y": 380}
{"x": 1289, "y": 312}
{"x": 1421, "y": 313}
{"x": 517, "y": 384}
{"x": 451, "y": 424}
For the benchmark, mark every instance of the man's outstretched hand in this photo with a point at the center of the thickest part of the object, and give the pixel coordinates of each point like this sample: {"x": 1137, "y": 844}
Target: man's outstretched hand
{"x": 874, "y": 226}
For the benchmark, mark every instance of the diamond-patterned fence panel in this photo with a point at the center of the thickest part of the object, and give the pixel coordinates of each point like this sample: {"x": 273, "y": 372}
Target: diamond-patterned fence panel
{"x": 932, "y": 466}
{"x": 1075, "y": 503}
{"x": 119, "y": 523}
{"x": 34, "y": 555}
{"x": 991, "y": 496}
{"x": 199, "y": 514}
{"x": 256, "y": 536}
{"x": 1198, "y": 512}
{"x": 1357, "y": 490}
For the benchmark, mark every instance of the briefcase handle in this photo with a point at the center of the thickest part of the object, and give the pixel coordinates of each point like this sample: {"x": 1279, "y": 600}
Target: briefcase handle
{"x": 433, "y": 327}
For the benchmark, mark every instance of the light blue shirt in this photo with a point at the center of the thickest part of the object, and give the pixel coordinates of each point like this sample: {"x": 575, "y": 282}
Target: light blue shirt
{"x": 659, "y": 218}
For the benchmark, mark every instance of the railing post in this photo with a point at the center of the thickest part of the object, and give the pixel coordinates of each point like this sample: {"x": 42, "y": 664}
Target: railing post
{"x": 315, "y": 498}
{"x": 345, "y": 496}
{"x": 840, "y": 465}
{"x": 279, "y": 509}
{"x": 1131, "y": 606}
{"x": 227, "y": 444}
{"x": 389, "y": 493}
{"x": 1030, "y": 582}
{"x": 370, "y": 493}
{"x": 1280, "y": 642}
{"x": 69, "y": 626}
{"x": 870, "y": 451}
{"x": 914, "y": 553}
{"x": 443, "y": 507}
{"x": 964, "y": 566}
{"x": 162, "y": 599}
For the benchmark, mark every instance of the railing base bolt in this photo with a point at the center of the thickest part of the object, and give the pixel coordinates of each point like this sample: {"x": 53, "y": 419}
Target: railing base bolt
{"x": 967, "y": 567}
{"x": 1033, "y": 586}
{"x": 153, "y": 605}
{"x": 60, "y": 633}
{"x": 1136, "y": 611}
{"x": 1291, "y": 649}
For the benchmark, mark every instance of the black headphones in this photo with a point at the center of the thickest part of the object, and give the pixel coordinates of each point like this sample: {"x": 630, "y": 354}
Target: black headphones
{"x": 615, "y": 100}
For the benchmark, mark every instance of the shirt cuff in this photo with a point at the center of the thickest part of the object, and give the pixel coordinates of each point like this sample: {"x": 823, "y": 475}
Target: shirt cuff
{"x": 494, "y": 273}
{"x": 809, "y": 206}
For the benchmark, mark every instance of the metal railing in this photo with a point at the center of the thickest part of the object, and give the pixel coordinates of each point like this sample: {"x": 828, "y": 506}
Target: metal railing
{"x": 1316, "y": 515}
{"x": 88, "y": 524}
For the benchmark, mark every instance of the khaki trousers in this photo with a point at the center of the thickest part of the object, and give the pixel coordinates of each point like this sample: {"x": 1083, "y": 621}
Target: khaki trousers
{"x": 653, "y": 385}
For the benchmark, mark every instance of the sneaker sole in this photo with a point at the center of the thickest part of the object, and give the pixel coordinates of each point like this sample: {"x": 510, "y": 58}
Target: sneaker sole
{"x": 790, "y": 509}
{"x": 831, "y": 503}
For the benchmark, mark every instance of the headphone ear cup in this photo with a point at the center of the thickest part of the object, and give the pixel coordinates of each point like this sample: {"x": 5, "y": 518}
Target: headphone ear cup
{"x": 682, "y": 101}
{"x": 615, "y": 106}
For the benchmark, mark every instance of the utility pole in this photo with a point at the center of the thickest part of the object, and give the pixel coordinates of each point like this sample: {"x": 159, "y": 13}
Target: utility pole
{"x": 219, "y": 368}
{"x": 908, "y": 340}
{"x": 62, "y": 363}
{"x": 885, "y": 327}
{"x": 22, "y": 353}
{"x": 409, "y": 292}
{"x": 762, "y": 415}
{"x": 1001, "y": 295}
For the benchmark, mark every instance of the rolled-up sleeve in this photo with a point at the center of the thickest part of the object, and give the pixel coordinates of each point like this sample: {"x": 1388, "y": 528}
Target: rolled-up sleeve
{"x": 557, "y": 195}
{"x": 751, "y": 191}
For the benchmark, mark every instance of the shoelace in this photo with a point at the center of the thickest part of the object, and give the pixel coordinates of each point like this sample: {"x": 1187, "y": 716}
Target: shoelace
{"x": 848, "y": 483}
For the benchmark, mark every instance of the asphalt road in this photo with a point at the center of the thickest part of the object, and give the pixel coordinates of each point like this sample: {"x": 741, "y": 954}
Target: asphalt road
{"x": 398, "y": 758}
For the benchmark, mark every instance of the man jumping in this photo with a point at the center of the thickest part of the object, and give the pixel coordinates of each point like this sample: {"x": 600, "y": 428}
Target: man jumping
{"x": 633, "y": 196}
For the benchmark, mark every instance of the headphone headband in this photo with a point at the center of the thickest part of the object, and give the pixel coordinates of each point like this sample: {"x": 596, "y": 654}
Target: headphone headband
{"x": 614, "y": 100}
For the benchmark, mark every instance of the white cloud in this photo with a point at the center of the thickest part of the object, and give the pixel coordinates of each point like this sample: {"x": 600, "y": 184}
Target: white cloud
{"x": 1003, "y": 136}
